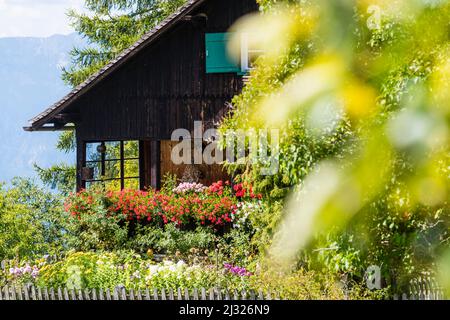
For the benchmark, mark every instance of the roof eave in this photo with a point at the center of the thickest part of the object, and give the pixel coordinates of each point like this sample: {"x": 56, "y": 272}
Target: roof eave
{"x": 48, "y": 128}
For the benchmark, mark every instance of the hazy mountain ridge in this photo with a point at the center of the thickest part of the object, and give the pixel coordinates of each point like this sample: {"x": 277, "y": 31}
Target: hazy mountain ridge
{"x": 30, "y": 81}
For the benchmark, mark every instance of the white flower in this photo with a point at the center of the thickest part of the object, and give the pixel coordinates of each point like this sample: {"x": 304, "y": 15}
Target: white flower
{"x": 173, "y": 268}
{"x": 154, "y": 269}
{"x": 168, "y": 263}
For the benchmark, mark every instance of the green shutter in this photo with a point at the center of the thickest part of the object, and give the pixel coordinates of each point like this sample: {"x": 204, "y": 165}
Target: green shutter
{"x": 217, "y": 57}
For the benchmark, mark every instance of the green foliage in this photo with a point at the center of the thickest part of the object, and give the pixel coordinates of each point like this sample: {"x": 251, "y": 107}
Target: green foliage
{"x": 30, "y": 221}
{"x": 111, "y": 27}
{"x": 384, "y": 76}
{"x": 67, "y": 142}
{"x": 126, "y": 269}
{"x": 169, "y": 183}
{"x": 236, "y": 247}
{"x": 171, "y": 221}
{"x": 301, "y": 285}
{"x": 61, "y": 177}
{"x": 171, "y": 240}
{"x": 301, "y": 147}
{"x": 97, "y": 231}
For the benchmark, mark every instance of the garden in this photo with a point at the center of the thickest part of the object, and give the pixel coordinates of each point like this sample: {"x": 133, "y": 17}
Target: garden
{"x": 184, "y": 236}
{"x": 359, "y": 91}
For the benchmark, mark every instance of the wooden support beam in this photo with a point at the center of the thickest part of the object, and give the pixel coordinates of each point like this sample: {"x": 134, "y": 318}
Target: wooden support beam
{"x": 81, "y": 162}
{"x": 155, "y": 161}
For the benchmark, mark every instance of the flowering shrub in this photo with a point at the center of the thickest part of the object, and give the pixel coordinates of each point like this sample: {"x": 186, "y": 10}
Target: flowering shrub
{"x": 238, "y": 271}
{"x": 20, "y": 272}
{"x": 245, "y": 191}
{"x": 189, "y": 204}
{"x": 220, "y": 188}
{"x": 24, "y": 271}
{"x": 110, "y": 270}
{"x": 187, "y": 187}
{"x": 131, "y": 204}
{"x": 21, "y": 275}
{"x": 243, "y": 213}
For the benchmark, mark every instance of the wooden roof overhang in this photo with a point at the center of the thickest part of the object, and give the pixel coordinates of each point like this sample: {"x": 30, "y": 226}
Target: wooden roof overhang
{"x": 58, "y": 118}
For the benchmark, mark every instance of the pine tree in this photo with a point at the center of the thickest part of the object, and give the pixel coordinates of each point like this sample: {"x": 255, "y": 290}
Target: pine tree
{"x": 110, "y": 27}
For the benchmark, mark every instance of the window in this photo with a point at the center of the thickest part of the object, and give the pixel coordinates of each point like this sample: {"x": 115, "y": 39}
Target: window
{"x": 248, "y": 53}
{"x": 218, "y": 59}
{"x": 115, "y": 164}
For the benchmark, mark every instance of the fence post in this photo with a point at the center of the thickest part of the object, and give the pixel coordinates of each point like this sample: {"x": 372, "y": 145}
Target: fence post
{"x": 108, "y": 294}
{"x": 13, "y": 293}
{"x": 26, "y": 293}
{"x": 87, "y": 294}
{"x": 260, "y": 295}
{"x": 66, "y": 294}
{"x": 196, "y": 297}
{"x": 211, "y": 294}
{"x": 73, "y": 295}
{"x": 124, "y": 294}
{"x": 227, "y": 295}
{"x": 19, "y": 292}
{"x": 33, "y": 293}
{"x": 203, "y": 294}
{"x": 6, "y": 289}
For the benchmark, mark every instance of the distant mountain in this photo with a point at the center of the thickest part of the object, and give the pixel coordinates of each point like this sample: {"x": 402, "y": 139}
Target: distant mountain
{"x": 30, "y": 81}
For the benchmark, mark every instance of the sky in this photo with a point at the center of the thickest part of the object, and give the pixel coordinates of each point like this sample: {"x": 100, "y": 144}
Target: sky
{"x": 36, "y": 18}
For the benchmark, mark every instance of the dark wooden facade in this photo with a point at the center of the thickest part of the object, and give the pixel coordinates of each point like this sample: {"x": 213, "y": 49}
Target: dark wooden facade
{"x": 161, "y": 88}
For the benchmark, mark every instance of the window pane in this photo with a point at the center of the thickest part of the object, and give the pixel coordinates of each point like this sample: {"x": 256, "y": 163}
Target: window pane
{"x": 91, "y": 152}
{"x": 96, "y": 167}
{"x": 112, "y": 169}
{"x": 132, "y": 184}
{"x": 252, "y": 57}
{"x": 131, "y": 168}
{"x": 131, "y": 149}
{"x": 113, "y": 185}
{"x": 112, "y": 150}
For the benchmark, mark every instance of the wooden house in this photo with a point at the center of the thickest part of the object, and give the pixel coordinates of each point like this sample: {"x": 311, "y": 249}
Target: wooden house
{"x": 176, "y": 74}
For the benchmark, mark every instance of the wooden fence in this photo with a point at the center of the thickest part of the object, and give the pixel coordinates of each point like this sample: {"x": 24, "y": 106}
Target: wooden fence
{"x": 28, "y": 292}
{"x": 419, "y": 289}
{"x": 423, "y": 289}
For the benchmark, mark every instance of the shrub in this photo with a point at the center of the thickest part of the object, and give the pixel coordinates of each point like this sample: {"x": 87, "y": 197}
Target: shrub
{"x": 171, "y": 240}
{"x": 109, "y": 270}
{"x": 169, "y": 221}
{"x": 206, "y": 206}
{"x": 31, "y": 221}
